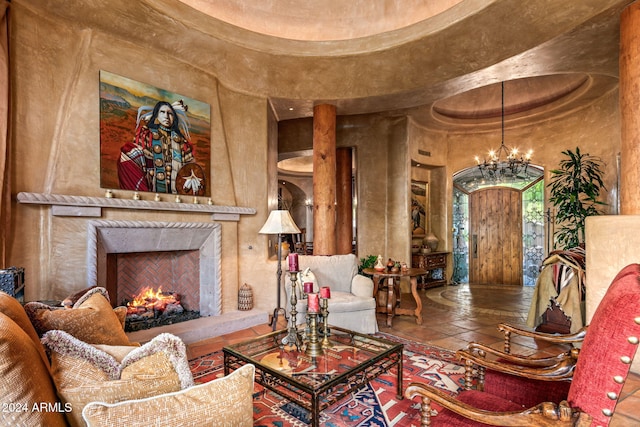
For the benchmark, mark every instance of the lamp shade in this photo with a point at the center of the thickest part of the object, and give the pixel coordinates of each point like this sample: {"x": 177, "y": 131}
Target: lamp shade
{"x": 279, "y": 222}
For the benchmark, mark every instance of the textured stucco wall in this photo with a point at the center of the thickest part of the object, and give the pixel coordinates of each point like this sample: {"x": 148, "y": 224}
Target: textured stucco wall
{"x": 55, "y": 64}
{"x": 55, "y": 144}
{"x": 612, "y": 244}
{"x": 55, "y": 68}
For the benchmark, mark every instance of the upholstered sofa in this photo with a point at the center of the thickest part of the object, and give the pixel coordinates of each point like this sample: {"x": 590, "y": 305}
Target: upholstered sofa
{"x": 351, "y": 306}
{"x": 60, "y": 380}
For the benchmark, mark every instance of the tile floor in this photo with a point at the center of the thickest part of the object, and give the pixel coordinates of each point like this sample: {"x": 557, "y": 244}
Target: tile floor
{"x": 454, "y": 316}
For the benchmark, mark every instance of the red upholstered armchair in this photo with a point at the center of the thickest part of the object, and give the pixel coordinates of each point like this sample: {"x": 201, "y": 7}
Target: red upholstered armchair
{"x": 608, "y": 349}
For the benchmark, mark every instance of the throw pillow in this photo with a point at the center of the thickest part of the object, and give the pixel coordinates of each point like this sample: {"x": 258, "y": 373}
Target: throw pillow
{"x": 70, "y": 301}
{"x": 27, "y": 395}
{"x": 92, "y": 319}
{"x": 73, "y": 301}
{"x": 308, "y": 276}
{"x": 12, "y": 308}
{"x": 226, "y": 401}
{"x": 84, "y": 373}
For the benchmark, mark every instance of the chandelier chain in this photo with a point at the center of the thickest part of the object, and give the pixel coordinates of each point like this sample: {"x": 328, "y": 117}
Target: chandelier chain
{"x": 513, "y": 166}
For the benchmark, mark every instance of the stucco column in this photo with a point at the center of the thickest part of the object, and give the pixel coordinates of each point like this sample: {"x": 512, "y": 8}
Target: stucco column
{"x": 324, "y": 179}
{"x": 630, "y": 110}
{"x": 344, "y": 197}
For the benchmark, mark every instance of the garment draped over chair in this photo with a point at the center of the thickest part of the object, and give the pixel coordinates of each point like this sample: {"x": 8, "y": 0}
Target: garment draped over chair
{"x": 561, "y": 282}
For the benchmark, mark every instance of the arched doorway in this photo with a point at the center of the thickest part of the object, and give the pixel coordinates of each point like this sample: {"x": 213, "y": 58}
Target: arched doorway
{"x": 498, "y": 228}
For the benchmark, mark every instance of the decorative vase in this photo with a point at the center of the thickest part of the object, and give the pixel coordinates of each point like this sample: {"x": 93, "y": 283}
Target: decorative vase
{"x": 379, "y": 265}
{"x": 416, "y": 242}
{"x": 245, "y": 298}
{"x": 390, "y": 264}
{"x": 431, "y": 241}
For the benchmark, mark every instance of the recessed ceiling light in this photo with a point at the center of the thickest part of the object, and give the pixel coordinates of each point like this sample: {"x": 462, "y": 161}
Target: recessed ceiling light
{"x": 290, "y": 108}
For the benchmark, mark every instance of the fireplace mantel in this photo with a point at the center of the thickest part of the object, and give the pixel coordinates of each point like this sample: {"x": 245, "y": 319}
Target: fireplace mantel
{"x": 84, "y": 206}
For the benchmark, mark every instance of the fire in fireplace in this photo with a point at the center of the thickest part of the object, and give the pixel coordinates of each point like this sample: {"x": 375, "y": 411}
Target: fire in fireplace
{"x": 151, "y": 308}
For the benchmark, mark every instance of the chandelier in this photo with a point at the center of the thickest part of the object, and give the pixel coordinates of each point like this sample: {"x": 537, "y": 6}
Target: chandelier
{"x": 504, "y": 162}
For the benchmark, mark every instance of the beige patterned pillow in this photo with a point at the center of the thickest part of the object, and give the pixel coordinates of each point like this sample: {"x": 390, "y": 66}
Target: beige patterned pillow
{"x": 84, "y": 373}
{"x": 224, "y": 402}
{"x": 92, "y": 319}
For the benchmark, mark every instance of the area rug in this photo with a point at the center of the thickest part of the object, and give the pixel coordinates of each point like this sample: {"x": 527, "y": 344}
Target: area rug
{"x": 375, "y": 404}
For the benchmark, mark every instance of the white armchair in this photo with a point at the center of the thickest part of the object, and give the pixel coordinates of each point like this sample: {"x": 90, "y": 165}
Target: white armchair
{"x": 352, "y": 305}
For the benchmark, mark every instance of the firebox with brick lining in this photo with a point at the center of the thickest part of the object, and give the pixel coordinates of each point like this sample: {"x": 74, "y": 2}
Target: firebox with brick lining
{"x": 152, "y": 308}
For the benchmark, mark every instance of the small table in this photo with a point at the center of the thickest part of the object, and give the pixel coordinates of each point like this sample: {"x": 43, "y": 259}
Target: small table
{"x": 316, "y": 383}
{"x": 393, "y": 292}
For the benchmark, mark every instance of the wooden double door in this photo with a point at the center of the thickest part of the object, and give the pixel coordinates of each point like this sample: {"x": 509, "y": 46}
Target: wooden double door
{"x": 495, "y": 220}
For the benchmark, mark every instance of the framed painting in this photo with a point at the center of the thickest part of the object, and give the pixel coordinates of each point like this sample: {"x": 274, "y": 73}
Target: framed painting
{"x": 419, "y": 207}
{"x": 152, "y": 139}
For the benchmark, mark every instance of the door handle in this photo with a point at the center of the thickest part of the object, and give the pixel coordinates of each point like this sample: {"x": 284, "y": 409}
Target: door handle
{"x": 474, "y": 242}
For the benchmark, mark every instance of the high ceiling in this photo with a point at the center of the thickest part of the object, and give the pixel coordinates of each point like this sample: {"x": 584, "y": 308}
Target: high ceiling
{"x": 564, "y": 70}
{"x": 546, "y": 72}
{"x": 439, "y": 62}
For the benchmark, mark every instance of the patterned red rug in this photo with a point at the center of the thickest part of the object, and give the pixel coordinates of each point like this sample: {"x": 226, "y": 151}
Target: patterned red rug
{"x": 373, "y": 405}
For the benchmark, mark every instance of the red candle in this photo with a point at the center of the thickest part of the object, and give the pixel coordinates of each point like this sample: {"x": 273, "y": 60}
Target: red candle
{"x": 308, "y": 287}
{"x": 313, "y": 303}
{"x": 293, "y": 262}
{"x": 325, "y": 292}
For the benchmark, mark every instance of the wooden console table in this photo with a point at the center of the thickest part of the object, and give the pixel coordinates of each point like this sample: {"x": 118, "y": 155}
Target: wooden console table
{"x": 431, "y": 262}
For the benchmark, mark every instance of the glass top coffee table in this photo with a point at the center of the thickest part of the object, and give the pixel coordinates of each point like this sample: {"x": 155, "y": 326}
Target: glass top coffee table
{"x": 316, "y": 383}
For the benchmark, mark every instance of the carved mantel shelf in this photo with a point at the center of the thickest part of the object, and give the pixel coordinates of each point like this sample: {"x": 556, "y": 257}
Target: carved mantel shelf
{"x": 81, "y": 206}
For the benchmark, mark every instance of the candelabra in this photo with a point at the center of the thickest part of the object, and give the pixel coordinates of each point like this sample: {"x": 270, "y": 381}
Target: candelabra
{"x": 324, "y": 310}
{"x": 293, "y": 337}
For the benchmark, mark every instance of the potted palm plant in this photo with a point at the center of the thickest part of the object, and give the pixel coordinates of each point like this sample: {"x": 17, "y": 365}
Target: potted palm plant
{"x": 575, "y": 188}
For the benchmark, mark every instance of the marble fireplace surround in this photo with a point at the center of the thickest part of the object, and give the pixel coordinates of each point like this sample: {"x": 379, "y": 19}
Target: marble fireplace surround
{"x": 114, "y": 237}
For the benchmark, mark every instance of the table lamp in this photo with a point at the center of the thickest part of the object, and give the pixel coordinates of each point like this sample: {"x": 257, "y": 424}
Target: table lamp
{"x": 279, "y": 222}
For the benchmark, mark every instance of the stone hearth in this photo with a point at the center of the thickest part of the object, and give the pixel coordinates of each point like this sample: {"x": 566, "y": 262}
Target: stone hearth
{"x": 205, "y": 327}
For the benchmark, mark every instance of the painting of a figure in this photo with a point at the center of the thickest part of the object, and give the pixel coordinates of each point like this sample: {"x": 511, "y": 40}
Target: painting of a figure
{"x": 152, "y": 139}
{"x": 419, "y": 198}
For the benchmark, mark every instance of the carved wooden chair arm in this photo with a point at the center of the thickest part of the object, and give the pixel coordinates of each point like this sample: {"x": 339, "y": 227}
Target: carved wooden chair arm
{"x": 481, "y": 351}
{"x": 558, "y": 368}
{"x": 553, "y": 338}
{"x": 542, "y": 415}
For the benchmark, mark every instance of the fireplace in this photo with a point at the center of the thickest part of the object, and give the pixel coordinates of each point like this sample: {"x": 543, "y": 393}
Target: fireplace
{"x": 148, "y": 250}
{"x": 105, "y": 238}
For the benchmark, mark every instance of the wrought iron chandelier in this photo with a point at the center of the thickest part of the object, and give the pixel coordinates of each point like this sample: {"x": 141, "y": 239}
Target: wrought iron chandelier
{"x": 505, "y": 162}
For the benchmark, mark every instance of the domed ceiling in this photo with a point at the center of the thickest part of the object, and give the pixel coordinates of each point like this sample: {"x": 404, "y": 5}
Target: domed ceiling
{"x": 438, "y": 63}
{"x": 520, "y": 96}
{"x": 321, "y": 20}
{"x": 564, "y": 71}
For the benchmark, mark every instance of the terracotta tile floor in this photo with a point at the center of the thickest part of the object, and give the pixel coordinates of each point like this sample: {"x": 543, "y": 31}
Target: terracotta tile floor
{"x": 455, "y": 315}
